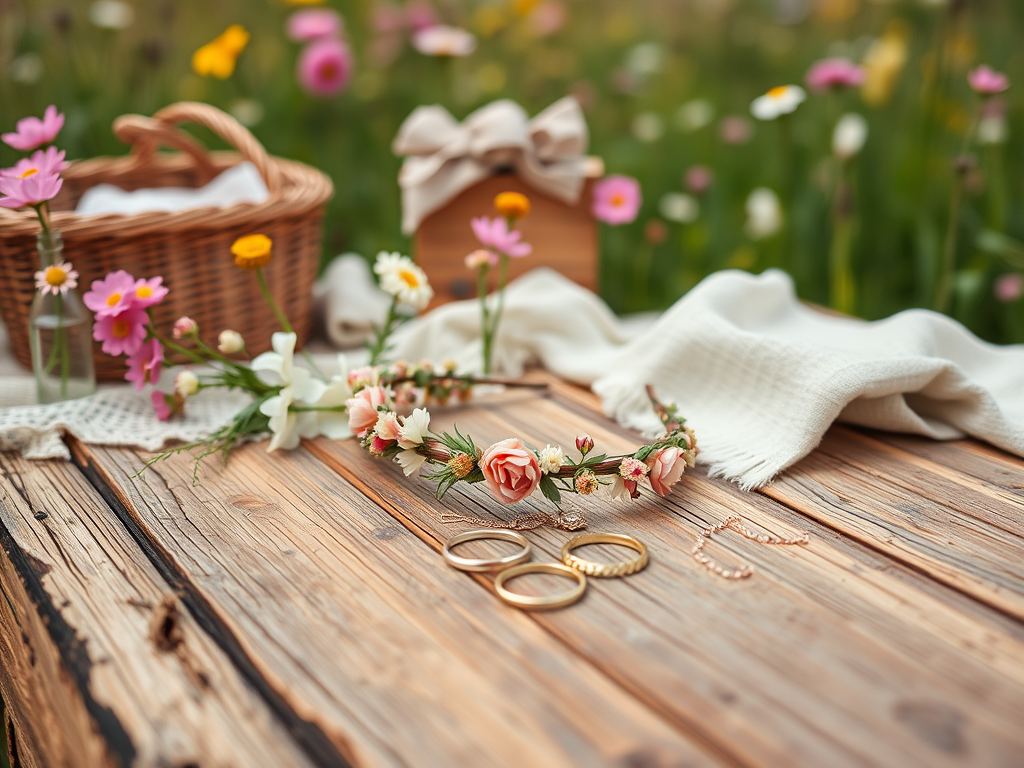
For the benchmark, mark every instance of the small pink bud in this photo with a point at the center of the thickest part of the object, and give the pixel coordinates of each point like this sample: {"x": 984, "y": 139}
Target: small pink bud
{"x": 184, "y": 326}
{"x": 584, "y": 444}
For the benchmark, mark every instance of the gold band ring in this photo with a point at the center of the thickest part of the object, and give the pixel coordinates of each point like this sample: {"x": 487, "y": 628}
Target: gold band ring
{"x": 546, "y": 602}
{"x": 478, "y": 565}
{"x": 605, "y": 570}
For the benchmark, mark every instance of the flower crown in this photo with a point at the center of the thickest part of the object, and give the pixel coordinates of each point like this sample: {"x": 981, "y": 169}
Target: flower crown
{"x": 511, "y": 469}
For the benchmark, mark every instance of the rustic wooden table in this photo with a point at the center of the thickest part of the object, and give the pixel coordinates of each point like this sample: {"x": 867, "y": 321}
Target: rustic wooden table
{"x": 294, "y": 610}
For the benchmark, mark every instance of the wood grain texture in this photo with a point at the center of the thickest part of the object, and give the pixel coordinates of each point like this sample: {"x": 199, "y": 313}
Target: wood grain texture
{"x": 90, "y": 678}
{"x": 961, "y": 530}
{"x": 830, "y": 655}
{"x": 564, "y": 237}
{"x": 366, "y": 632}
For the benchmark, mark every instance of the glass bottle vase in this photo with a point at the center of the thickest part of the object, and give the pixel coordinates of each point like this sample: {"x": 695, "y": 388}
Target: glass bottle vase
{"x": 60, "y": 329}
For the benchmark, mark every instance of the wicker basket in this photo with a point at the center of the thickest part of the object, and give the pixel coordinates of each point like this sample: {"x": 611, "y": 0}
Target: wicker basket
{"x": 191, "y": 249}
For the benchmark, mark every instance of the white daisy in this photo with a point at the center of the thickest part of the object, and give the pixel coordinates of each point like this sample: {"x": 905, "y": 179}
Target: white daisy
{"x": 779, "y": 101}
{"x": 400, "y": 277}
{"x": 441, "y": 40}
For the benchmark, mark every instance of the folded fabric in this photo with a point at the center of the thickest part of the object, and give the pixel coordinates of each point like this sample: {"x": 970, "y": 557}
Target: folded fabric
{"x": 348, "y": 301}
{"x": 759, "y": 376}
{"x": 240, "y": 184}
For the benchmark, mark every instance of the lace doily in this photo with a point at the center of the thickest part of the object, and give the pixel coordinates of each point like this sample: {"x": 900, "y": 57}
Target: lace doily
{"x": 117, "y": 416}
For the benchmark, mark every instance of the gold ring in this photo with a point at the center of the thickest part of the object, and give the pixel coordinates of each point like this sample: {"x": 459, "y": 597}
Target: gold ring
{"x": 483, "y": 564}
{"x": 546, "y": 602}
{"x": 605, "y": 570}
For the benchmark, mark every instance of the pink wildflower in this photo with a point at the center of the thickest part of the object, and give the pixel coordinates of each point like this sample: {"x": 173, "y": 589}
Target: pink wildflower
{"x": 121, "y": 334}
{"x": 324, "y": 67}
{"x": 145, "y": 363}
{"x": 735, "y": 130}
{"x": 148, "y": 292}
{"x": 419, "y": 15}
{"x": 49, "y": 161}
{"x": 633, "y": 469}
{"x": 32, "y": 133}
{"x": 584, "y": 444}
{"x": 31, "y": 188}
{"x": 166, "y": 405}
{"x": 698, "y": 179}
{"x": 617, "y": 200}
{"x": 1009, "y": 288}
{"x": 112, "y": 295}
{"x": 313, "y": 24}
{"x": 987, "y": 82}
{"x": 494, "y": 233}
{"x": 834, "y": 73}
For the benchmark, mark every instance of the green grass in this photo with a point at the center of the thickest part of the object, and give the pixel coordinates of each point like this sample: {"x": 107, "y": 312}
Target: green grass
{"x": 724, "y": 53}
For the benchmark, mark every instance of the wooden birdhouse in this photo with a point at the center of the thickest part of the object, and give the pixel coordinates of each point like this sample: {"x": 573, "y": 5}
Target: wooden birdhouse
{"x": 563, "y": 236}
{"x": 453, "y": 171}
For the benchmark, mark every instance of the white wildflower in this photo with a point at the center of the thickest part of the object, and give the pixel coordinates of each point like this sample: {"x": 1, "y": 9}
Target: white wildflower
{"x": 551, "y": 459}
{"x": 400, "y": 277}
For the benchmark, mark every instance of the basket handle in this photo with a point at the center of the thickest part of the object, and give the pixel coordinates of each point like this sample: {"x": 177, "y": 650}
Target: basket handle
{"x": 146, "y": 134}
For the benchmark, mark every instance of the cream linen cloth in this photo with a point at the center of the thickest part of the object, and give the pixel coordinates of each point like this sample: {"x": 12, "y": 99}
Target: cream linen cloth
{"x": 759, "y": 376}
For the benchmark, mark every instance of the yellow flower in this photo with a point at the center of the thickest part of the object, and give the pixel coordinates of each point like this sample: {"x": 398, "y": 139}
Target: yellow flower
{"x": 252, "y": 251}
{"x": 883, "y": 63}
{"x": 217, "y": 58}
{"x": 512, "y": 205}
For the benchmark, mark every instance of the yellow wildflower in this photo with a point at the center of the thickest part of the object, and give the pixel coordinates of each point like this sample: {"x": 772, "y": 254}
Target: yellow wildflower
{"x": 883, "y": 63}
{"x": 252, "y": 251}
{"x": 217, "y": 58}
{"x": 512, "y": 205}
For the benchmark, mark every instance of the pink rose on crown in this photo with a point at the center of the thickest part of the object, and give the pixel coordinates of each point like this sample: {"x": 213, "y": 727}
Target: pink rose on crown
{"x": 666, "y": 467}
{"x": 362, "y": 409}
{"x": 510, "y": 470}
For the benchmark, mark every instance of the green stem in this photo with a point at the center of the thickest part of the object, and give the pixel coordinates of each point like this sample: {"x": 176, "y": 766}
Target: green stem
{"x": 485, "y": 325}
{"x": 842, "y": 294}
{"x": 496, "y": 317}
{"x": 997, "y": 201}
{"x": 282, "y": 319}
{"x": 945, "y": 286}
{"x": 380, "y": 343}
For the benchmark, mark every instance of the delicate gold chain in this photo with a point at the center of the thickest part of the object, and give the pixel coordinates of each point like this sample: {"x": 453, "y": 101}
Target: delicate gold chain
{"x": 736, "y": 524}
{"x": 566, "y": 521}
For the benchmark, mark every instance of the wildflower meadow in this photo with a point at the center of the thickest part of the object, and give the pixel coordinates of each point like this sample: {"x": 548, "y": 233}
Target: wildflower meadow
{"x": 869, "y": 147}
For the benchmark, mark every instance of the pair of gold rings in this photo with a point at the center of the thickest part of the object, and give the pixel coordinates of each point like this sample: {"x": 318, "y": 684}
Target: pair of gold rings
{"x": 574, "y": 567}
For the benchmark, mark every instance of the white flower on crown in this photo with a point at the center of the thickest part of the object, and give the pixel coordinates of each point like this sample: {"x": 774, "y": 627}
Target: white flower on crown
{"x": 401, "y": 278}
{"x": 550, "y": 459}
{"x": 779, "y": 101}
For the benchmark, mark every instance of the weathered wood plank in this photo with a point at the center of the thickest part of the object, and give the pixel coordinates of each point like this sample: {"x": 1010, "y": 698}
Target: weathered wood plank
{"x": 90, "y": 678}
{"x": 831, "y": 655}
{"x": 365, "y": 631}
{"x": 963, "y": 531}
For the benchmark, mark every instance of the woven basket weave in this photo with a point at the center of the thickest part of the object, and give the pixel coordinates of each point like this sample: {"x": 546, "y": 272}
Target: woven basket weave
{"x": 191, "y": 249}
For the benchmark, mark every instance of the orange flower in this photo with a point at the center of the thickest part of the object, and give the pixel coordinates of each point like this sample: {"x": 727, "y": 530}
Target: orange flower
{"x": 252, "y": 251}
{"x": 512, "y": 205}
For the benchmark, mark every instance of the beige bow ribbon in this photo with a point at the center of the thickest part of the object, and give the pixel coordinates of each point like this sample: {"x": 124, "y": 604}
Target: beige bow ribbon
{"x": 443, "y": 157}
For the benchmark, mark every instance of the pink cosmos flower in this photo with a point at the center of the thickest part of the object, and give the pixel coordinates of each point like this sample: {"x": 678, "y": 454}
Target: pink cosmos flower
{"x": 324, "y": 67}
{"x": 834, "y": 73}
{"x": 362, "y": 409}
{"x": 31, "y": 188}
{"x": 147, "y": 293}
{"x": 184, "y": 326}
{"x": 32, "y": 133}
{"x": 494, "y": 233}
{"x": 145, "y": 363}
{"x": 111, "y": 296}
{"x": 987, "y": 82}
{"x": 666, "y": 466}
{"x": 313, "y": 24}
{"x": 1009, "y": 288}
{"x": 121, "y": 334}
{"x": 616, "y": 200}
{"x": 59, "y": 278}
{"x": 50, "y": 160}
{"x": 510, "y": 470}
